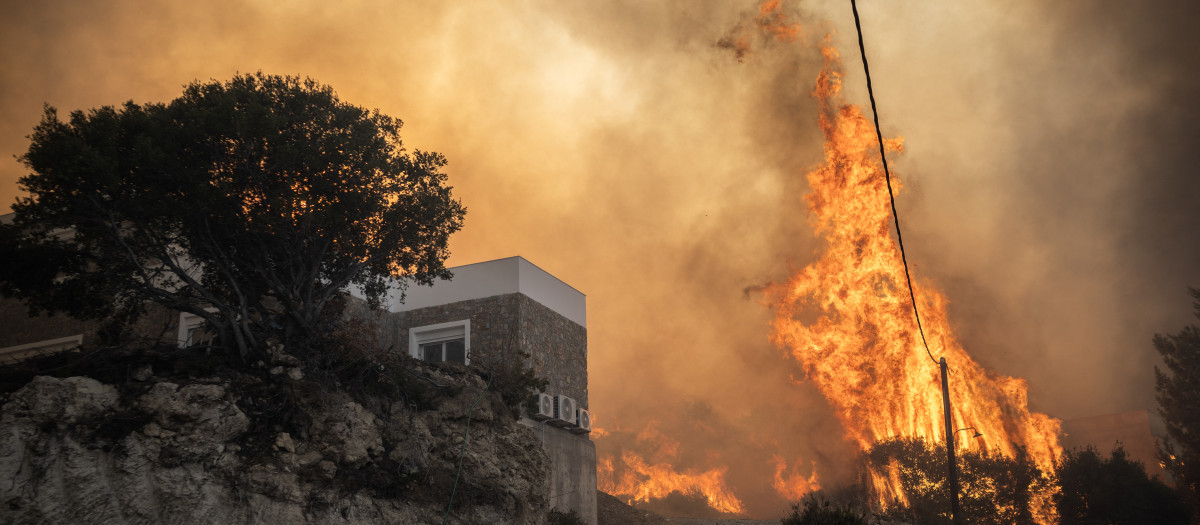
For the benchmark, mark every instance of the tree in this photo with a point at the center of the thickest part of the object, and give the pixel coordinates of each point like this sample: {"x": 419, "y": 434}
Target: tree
{"x": 993, "y": 488}
{"x": 1116, "y": 490}
{"x": 1178, "y": 393}
{"x": 252, "y": 203}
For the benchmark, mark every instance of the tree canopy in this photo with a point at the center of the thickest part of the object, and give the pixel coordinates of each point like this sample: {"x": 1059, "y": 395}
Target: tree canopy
{"x": 253, "y": 203}
{"x": 1178, "y": 392}
{"x": 993, "y": 488}
{"x": 1101, "y": 491}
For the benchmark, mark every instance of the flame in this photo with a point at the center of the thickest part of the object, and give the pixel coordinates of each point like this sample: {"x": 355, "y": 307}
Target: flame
{"x": 773, "y": 20}
{"x": 639, "y": 480}
{"x": 793, "y": 486}
{"x": 848, "y": 320}
{"x": 885, "y": 484}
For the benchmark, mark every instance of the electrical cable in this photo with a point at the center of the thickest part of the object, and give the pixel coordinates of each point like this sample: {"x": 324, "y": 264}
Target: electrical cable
{"x": 888, "y": 177}
{"x": 466, "y": 440}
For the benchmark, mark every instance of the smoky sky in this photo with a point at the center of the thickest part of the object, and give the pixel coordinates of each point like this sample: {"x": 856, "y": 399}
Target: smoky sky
{"x": 1049, "y": 184}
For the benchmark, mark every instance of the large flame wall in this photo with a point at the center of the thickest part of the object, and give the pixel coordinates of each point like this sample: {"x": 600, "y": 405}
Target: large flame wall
{"x": 848, "y": 317}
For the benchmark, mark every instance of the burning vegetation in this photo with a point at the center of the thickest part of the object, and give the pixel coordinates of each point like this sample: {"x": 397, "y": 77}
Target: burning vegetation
{"x": 637, "y": 479}
{"x": 847, "y": 320}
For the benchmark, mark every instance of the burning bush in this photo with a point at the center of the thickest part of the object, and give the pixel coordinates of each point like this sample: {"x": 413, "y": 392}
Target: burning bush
{"x": 993, "y": 488}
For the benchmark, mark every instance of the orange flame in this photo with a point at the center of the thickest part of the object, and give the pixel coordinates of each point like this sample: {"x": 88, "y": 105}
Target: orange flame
{"x": 773, "y": 23}
{"x": 793, "y": 486}
{"x": 848, "y": 320}
{"x": 638, "y": 480}
{"x": 641, "y": 481}
{"x": 773, "y": 20}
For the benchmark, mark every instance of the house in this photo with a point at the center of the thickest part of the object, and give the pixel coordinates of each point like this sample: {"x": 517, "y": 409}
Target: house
{"x": 509, "y": 309}
{"x": 495, "y": 313}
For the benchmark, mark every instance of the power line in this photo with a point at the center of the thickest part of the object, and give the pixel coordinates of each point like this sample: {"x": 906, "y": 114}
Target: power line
{"x": 888, "y": 177}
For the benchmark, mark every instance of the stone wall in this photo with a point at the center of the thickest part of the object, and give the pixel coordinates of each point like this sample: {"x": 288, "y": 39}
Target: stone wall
{"x": 503, "y": 327}
{"x": 493, "y": 326}
{"x": 557, "y": 347}
{"x": 510, "y": 326}
{"x": 518, "y": 328}
{"x": 19, "y": 328}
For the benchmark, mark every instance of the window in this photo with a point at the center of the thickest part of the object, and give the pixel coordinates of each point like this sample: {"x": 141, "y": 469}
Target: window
{"x": 443, "y": 342}
{"x": 193, "y": 331}
{"x": 454, "y": 351}
{"x": 49, "y": 346}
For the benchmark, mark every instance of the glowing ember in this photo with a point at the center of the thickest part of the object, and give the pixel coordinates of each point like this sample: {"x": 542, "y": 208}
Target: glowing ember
{"x": 848, "y": 320}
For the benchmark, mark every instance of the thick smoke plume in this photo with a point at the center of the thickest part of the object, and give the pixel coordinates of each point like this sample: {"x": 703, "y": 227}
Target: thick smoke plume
{"x": 651, "y": 155}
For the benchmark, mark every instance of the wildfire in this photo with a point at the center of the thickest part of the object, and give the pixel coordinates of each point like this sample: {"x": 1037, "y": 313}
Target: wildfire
{"x": 639, "y": 480}
{"x": 793, "y": 486}
{"x": 848, "y": 320}
{"x": 772, "y": 19}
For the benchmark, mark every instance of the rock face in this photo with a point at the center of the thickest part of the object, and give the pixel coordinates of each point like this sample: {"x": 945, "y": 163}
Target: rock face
{"x": 218, "y": 450}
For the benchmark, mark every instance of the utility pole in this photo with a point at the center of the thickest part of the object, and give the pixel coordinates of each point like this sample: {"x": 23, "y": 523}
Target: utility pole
{"x": 952, "y": 475}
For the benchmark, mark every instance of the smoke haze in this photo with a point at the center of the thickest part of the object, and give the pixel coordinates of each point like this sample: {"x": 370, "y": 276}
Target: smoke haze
{"x": 1048, "y": 188}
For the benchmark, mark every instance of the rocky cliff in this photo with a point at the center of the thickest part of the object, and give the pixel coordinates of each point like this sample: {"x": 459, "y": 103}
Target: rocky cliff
{"x": 237, "y": 447}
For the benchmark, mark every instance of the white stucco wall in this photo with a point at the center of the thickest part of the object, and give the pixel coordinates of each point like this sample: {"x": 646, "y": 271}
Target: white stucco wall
{"x": 498, "y": 277}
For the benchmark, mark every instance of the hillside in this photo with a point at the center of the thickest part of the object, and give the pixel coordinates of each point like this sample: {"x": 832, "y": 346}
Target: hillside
{"x": 184, "y": 442}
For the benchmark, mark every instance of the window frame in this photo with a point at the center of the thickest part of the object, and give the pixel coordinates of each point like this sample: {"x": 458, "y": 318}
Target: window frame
{"x": 188, "y": 322}
{"x": 440, "y": 332}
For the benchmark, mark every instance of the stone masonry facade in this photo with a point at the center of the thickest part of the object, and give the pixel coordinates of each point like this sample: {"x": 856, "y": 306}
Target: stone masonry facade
{"x": 507, "y": 327}
{"x": 557, "y": 347}
{"x": 503, "y": 327}
{"x": 17, "y": 327}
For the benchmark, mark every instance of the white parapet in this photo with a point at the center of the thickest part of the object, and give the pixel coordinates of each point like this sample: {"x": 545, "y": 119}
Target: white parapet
{"x": 498, "y": 277}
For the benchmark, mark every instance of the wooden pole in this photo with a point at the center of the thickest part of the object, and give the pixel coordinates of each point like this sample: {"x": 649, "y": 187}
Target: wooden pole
{"x": 952, "y": 466}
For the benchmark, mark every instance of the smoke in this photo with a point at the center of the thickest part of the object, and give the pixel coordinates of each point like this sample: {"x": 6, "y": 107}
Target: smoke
{"x": 1048, "y": 188}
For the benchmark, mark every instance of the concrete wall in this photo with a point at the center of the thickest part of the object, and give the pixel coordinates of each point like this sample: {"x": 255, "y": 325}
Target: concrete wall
{"x": 572, "y": 469}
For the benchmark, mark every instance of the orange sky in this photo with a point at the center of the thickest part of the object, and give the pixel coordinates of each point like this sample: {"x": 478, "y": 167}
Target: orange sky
{"x": 1048, "y": 189}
